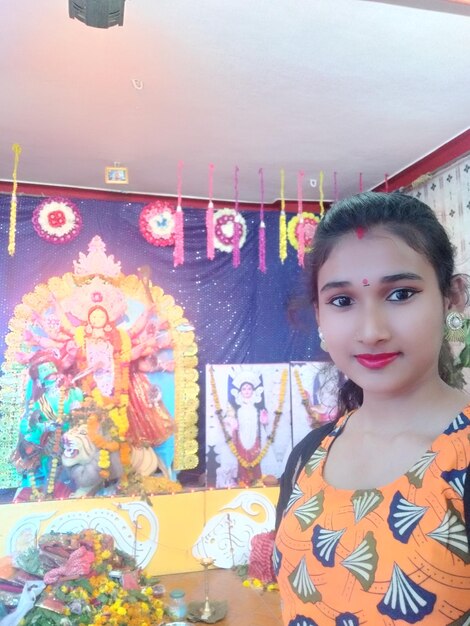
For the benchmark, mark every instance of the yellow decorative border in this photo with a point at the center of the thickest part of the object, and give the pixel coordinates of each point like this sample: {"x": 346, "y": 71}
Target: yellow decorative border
{"x": 15, "y": 375}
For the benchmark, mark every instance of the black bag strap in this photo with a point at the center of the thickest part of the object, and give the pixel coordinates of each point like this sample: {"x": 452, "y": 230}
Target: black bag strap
{"x": 298, "y": 457}
{"x": 466, "y": 504}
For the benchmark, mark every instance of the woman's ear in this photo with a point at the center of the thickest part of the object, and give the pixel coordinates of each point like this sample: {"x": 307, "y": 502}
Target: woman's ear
{"x": 459, "y": 293}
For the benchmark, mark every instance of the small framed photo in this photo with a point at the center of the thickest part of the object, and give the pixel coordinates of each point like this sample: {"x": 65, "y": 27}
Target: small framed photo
{"x": 116, "y": 176}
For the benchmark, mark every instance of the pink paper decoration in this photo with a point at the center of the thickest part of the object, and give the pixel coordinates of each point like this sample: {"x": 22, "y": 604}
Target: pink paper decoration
{"x": 210, "y": 216}
{"x": 262, "y": 227}
{"x": 178, "y": 252}
{"x": 236, "y": 233}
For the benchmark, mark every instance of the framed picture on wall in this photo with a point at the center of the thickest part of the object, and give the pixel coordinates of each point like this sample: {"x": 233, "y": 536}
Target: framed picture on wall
{"x": 116, "y": 176}
{"x": 314, "y": 395}
{"x": 248, "y": 423}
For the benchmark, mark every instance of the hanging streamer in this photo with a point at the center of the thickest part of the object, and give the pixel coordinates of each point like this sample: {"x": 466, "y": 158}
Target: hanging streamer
{"x": 236, "y": 229}
{"x": 282, "y": 224}
{"x": 210, "y": 216}
{"x": 262, "y": 227}
{"x": 13, "y": 204}
{"x": 178, "y": 252}
{"x": 360, "y": 182}
{"x": 301, "y": 249}
{"x": 386, "y": 183}
{"x": 322, "y": 196}
{"x": 335, "y": 186}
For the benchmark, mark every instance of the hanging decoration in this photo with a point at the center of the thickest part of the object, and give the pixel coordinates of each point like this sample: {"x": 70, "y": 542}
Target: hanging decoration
{"x": 14, "y": 203}
{"x": 360, "y": 183}
{"x": 262, "y": 227}
{"x": 210, "y": 216}
{"x": 301, "y": 232}
{"x": 57, "y": 221}
{"x": 227, "y": 222}
{"x": 236, "y": 231}
{"x": 322, "y": 196}
{"x": 310, "y": 223}
{"x": 157, "y": 223}
{"x": 386, "y": 182}
{"x": 178, "y": 252}
{"x": 282, "y": 224}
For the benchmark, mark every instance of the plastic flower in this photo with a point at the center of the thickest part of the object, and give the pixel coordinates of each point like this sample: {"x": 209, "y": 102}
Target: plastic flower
{"x": 225, "y": 222}
{"x": 310, "y": 224}
{"x": 57, "y": 221}
{"x": 157, "y": 223}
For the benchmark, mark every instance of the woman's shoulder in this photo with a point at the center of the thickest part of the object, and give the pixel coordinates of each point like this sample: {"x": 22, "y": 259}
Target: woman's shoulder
{"x": 306, "y": 446}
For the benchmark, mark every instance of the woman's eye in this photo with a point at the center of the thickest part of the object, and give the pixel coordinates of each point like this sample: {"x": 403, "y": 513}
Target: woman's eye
{"x": 401, "y": 294}
{"x": 341, "y": 301}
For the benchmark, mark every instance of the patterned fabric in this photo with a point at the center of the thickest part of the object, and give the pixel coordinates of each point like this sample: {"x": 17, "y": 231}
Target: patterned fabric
{"x": 396, "y": 554}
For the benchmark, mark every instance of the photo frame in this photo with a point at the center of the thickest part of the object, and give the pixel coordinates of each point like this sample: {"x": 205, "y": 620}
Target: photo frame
{"x": 116, "y": 175}
{"x": 245, "y": 441}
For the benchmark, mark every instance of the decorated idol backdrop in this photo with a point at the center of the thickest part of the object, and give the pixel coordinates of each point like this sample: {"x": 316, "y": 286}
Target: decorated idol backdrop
{"x": 104, "y": 314}
{"x": 102, "y": 367}
{"x": 248, "y": 423}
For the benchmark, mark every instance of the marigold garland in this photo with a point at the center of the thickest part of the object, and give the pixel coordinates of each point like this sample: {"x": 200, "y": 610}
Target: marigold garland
{"x": 14, "y": 203}
{"x": 116, "y": 405}
{"x": 97, "y": 439}
{"x": 121, "y": 356}
{"x": 304, "y": 398}
{"x": 228, "y": 438}
{"x": 96, "y": 599}
{"x": 282, "y": 224}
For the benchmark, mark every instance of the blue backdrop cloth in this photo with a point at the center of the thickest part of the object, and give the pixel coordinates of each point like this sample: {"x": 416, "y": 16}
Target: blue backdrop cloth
{"x": 240, "y": 315}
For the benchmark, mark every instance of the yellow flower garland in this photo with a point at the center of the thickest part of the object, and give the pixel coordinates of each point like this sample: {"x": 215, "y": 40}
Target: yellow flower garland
{"x": 116, "y": 404}
{"x": 271, "y": 437}
{"x": 282, "y": 224}
{"x": 305, "y": 399}
{"x": 14, "y": 202}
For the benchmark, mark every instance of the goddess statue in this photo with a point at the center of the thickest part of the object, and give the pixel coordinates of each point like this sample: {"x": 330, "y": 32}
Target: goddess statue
{"x": 107, "y": 345}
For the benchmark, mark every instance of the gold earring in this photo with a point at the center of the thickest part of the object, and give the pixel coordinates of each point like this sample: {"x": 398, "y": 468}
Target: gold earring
{"x": 322, "y": 341}
{"x": 455, "y": 327}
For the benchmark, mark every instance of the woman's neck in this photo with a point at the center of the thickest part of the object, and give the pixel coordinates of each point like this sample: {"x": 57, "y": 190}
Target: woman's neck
{"x": 418, "y": 409}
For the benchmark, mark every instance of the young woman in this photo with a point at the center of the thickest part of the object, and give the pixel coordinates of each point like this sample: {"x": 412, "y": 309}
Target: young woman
{"x": 373, "y": 527}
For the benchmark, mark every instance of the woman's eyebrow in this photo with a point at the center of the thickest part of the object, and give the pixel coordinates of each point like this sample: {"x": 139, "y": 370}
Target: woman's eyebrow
{"x": 335, "y": 284}
{"x": 392, "y": 278}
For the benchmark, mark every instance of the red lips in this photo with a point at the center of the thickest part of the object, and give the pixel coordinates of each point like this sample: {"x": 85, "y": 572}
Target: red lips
{"x": 376, "y": 361}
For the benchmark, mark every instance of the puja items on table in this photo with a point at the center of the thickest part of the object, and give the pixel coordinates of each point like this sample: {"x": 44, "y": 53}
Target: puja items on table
{"x": 70, "y": 580}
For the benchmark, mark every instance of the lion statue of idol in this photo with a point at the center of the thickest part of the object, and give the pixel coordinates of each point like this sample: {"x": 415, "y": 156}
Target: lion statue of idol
{"x": 80, "y": 458}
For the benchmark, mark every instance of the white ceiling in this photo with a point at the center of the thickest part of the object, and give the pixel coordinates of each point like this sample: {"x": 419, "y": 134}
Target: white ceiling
{"x": 335, "y": 85}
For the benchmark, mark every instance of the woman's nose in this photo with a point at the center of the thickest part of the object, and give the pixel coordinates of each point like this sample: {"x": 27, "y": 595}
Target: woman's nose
{"x": 373, "y": 325}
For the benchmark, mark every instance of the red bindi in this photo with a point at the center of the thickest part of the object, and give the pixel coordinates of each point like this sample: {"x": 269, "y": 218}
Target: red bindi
{"x": 360, "y": 232}
{"x": 365, "y": 282}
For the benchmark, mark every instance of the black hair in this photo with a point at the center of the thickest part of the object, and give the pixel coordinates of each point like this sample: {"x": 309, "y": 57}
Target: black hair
{"x": 409, "y": 219}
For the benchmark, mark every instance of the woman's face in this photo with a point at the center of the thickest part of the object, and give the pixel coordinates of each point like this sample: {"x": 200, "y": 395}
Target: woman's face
{"x": 246, "y": 390}
{"x": 98, "y": 318}
{"x": 381, "y": 312}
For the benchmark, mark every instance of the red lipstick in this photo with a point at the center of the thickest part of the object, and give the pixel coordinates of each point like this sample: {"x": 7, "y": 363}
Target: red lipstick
{"x": 376, "y": 361}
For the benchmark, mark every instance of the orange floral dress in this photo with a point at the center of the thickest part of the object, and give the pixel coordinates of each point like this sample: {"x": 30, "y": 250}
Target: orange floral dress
{"x": 398, "y": 554}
